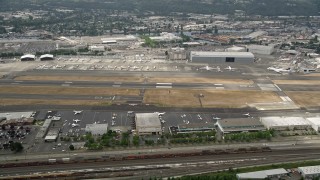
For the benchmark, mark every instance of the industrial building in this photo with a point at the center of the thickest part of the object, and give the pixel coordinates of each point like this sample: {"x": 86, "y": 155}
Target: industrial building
{"x": 46, "y": 57}
{"x": 97, "y": 129}
{"x": 236, "y": 49}
{"x": 195, "y": 127}
{"x": 221, "y": 57}
{"x": 28, "y": 57}
{"x": 177, "y": 54}
{"x": 285, "y": 123}
{"x": 315, "y": 123}
{"x": 309, "y": 172}
{"x": 238, "y": 125}
{"x": 259, "y": 49}
{"x": 254, "y": 35}
{"x": 267, "y": 174}
{"x": 148, "y": 124}
{"x": 97, "y": 48}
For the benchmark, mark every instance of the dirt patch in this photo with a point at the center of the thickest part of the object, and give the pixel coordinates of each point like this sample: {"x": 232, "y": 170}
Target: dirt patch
{"x": 80, "y": 78}
{"x": 297, "y": 82}
{"x": 53, "y": 102}
{"x": 67, "y": 90}
{"x": 199, "y": 80}
{"x": 212, "y": 98}
{"x": 312, "y": 75}
{"x": 305, "y": 98}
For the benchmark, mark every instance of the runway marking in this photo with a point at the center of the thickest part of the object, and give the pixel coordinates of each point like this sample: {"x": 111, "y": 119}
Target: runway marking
{"x": 219, "y": 87}
{"x": 116, "y": 86}
{"x": 65, "y": 85}
{"x": 18, "y": 81}
{"x": 169, "y": 84}
{"x": 277, "y": 87}
{"x": 218, "y": 84}
{"x": 68, "y": 82}
{"x": 118, "y": 83}
{"x": 15, "y": 83}
{"x": 164, "y": 87}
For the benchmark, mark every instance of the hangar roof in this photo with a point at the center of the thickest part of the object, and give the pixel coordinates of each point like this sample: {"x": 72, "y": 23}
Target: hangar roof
{"x": 31, "y": 56}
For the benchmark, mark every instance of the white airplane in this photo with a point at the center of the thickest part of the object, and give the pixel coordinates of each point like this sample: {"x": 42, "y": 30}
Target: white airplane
{"x": 163, "y": 121}
{"x": 279, "y": 70}
{"x": 161, "y": 114}
{"x": 113, "y": 123}
{"x": 76, "y": 120}
{"x": 247, "y": 114}
{"x": 216, "y": 118}
{"x": 74, "y": 125}
{"x": 208, "y": 68}
{"x": 77, "y": 112}
{"x": 230, "y": 68}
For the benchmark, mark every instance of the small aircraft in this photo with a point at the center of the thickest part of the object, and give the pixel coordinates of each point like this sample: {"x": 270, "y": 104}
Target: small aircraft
{"x": 76, "y": 120}
{"x": 208, "y": 68}
{"x": 279, "y": 70}
{"x": 163, "y": 121}
{"x": 77, "y": 112}
{"x": 135, "y": 67}
{"x": 113, "y": 123}
{"x": 230, "y": 68}
{"x": 161, "y": 114}
{"x": 74, "y": 125}
{"x": 216, "y": 118}
{"x": 247, "y": 114}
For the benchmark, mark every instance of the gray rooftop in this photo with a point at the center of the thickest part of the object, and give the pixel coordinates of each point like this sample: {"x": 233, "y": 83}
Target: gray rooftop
{"x": 262, "y": 174}
{"x": 240, "y": 124}
{"x": 221, "y": 54}
{"x": 148, "y": 122}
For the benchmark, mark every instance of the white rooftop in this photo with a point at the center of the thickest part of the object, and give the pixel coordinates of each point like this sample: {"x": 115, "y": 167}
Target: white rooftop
{"x": 310, "y": 170}
{"x": 314, "y": 120}
{"x": 16, "y": 115}
{"x": 221, "y": 54}
{"x": 28, "y": 56}
{"x": 262, "y": 174}
{"x": 46, "y": 56}
{"x": 284, "y": 121}
{"x": 96, "y": 129}
{"x": 148, "y": 122}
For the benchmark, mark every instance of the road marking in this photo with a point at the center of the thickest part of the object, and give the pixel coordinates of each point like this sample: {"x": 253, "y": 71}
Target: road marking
{"x": 277, "y": 87}
{"x": 164, "y": 87}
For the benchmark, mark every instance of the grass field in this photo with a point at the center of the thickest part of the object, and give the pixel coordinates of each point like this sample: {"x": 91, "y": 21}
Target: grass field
{"x": 212, "y": 98}
{"x": 305, "y": 98}
{"x": 297, "y": 82}
{"x": 80, "y": 78}
{"x": 67, "y": 90}
{"x": 53, "y": 102}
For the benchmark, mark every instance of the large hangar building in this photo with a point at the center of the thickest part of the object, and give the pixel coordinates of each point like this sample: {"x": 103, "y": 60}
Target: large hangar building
{"x": 221, "y": 57}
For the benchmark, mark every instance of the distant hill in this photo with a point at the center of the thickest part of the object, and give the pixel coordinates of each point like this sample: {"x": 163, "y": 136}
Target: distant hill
{"x": 163, "y": 7}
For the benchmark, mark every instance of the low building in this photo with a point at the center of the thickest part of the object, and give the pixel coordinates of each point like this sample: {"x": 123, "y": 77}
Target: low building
{"x": 177, "y": 54}
{"x": 166, "y": 37}
{"x": 148, "y": 124}
{"x": 28, "y": 57}
{"x": 97, "y": 48}
{"x": 259, "y": 49}
{"x": 238, "y": 125}
{"x": 46, "y": 57}
{"x": 195, "y": 127}
{"x": 97, "y": 129}
{"x": 236, "y": 49}
{"x": 285, "y": 123}
{"x": 309, "y": 172}
{"x": 209, "y": 57}
{"x": 272, "y": 173}
{"x": 52, "y": 135}
{"x": 315, "y": 123}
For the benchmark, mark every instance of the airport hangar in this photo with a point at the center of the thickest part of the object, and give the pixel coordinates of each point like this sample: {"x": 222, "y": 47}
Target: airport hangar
{"x": 221, "y": 57}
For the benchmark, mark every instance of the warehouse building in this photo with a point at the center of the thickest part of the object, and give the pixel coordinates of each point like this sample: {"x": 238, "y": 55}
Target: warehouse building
{"x": 221, "y": 57}
{"x": 46, "y": 57}
{"x": 28, "y": 57}
{"x": 285, "y": 123}
{"x": 315, "y": 123}
{"x": 259, "y": 49}
{"x": 238, "y": 125}
{"x": 236, "y": 49}
{"x": 148, "y": 124}
{"x": 97, "y": 129}
{"x": 267, "y": 174}
{"x": 309, "y": 172}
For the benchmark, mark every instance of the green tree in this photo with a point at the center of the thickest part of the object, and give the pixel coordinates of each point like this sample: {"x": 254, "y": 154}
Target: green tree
{"x": 71, "y": 147}
{"x": 16, "y": 147}
{"x": 135, "y": 140}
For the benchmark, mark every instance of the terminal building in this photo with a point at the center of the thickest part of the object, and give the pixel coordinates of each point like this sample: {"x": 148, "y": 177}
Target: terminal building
{"x": 285, "y": 123}
{"x": 209, "y": 57}
{"x": 28, "y": 57}
{"x": 238, "y": 125}
{"x": 148, "y": 124}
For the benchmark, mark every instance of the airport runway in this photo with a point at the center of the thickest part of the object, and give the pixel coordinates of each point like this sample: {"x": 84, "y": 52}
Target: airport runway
{"x": 176, "y": 166}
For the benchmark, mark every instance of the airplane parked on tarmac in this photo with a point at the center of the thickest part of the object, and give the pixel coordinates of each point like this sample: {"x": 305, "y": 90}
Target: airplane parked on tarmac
{"x": 279, "y": 70}
{"x": 230, "y": 68}
{"x": 76, "y": 120}
{"x": 77, "y": 112}
{"x": 74, "y": 125}
{"x": 246, "y": 114}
